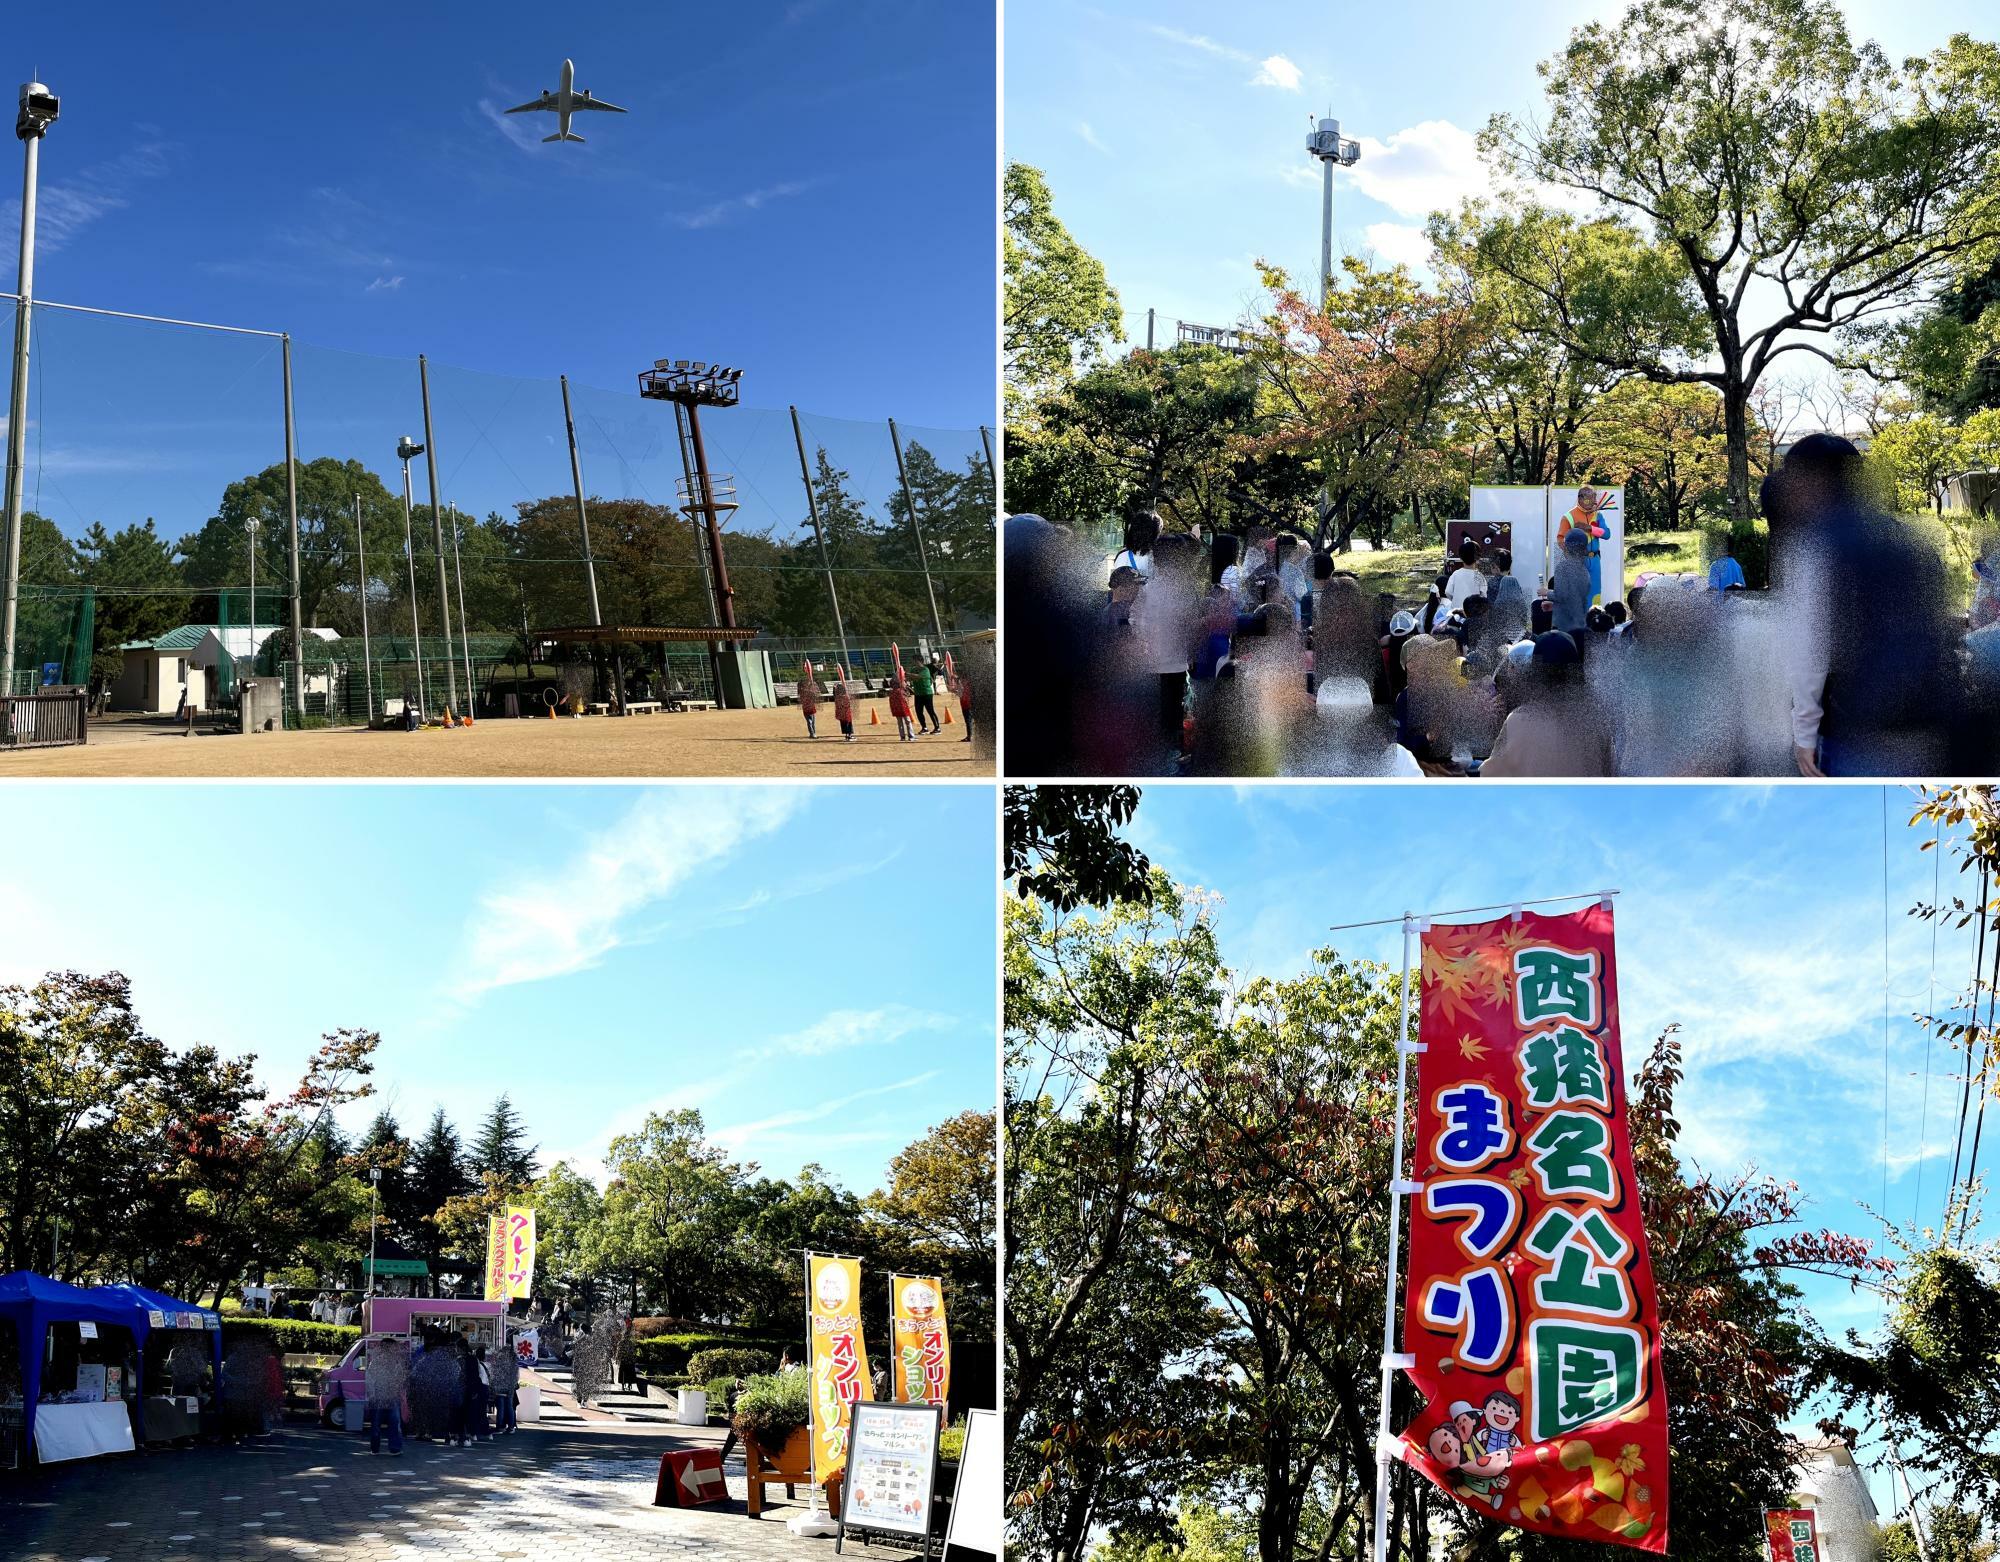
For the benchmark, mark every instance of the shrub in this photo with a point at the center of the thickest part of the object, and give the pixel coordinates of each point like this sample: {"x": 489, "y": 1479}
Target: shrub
{"x": 730, "y": 1362}
{"x": 661, "y": 1354}
{"x": 291, "y": 1336}
{"x": 720, "y": 1392}
{"x": 951, "y": 1442}
{"x": 773, "y": 1406}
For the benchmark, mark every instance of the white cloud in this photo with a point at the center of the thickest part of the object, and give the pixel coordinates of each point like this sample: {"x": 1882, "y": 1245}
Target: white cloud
{"x": 1198, "y": 41}
{"x": 1090, "y": 137}
{"x": 522, "y": 135}
{"x": 844, "y": 1028}
{"x": 741, "y": 1136}
{"x": 63, "y": 208}
{"x": 1279, "y": 72}
{"x": 567, "y": 920}
{"x": 720, "y": 212}
{"x": 1400, "y": 244}
{"x": 384, "y": 285}
{"x": 1432, "y": 166}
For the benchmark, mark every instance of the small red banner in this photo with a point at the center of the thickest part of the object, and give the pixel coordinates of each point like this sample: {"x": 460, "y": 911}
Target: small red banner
{"x": 1530, "y": 1307}
{"x": 1792, "y": 1534}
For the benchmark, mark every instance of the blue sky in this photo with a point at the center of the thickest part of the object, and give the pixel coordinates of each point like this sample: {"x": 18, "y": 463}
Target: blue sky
{"x": 1173, "y": 134}
{"x": 802, "y": 189}
{"x": 811, "y": 967}
{"x": 1754, "y": 916}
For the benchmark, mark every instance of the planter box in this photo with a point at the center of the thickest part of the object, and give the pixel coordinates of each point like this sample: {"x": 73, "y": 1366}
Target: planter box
{"x": 789, "y": 1466}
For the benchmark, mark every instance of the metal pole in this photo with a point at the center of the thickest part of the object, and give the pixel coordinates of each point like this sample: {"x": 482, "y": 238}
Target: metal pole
{"x": 992, "y": 471}
{"x": 374, "y": 1219}
{"x": 1326, "y": 234}
{"x": 292, "y": 512}
{"x": 1149, "y": 330}
{"x": 367, "y": 660}
{"x": 464, "y": 644}
{"x": 700, "y": 554}
{"x": 17, "y": 414}
{"x": 825, "y": 563}
{"x": 410, "y": 557}
{"x": 725, "y": 598}
{"x": 582, "y": 515}
{"x": 437, "y": 527}
{"x": 1398, "y": 1187}
{"x": 923, "y": 557}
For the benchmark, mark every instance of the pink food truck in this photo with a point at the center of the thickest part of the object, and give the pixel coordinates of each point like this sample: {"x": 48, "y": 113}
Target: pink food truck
{"x": 410, "y": 1318}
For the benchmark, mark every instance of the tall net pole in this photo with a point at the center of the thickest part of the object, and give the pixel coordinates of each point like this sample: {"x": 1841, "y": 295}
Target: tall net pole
{"x": 410, "y": 558}
{"x": 916, "y": 525}
{"x": 582, "y": 515}
{"x": 17, "y": 415}
{"x": 292, "y": 515}
{"x": 367, "y": 660}
{"x": 464, "y": 643}
{"x": 437, "y": 528}
{"x": 825, "y": 563}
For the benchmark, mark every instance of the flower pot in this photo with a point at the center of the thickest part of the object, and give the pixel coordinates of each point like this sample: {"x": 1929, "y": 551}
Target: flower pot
{"x": 790, "y": 1465}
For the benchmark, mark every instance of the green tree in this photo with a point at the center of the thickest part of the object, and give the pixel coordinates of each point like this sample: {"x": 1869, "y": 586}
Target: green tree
{"x": 1063, "y": 846}
{"x": 501, "y": 1148}
{"x": 140, "y": 587}
{"x": 1058, "y": 309}
{"x": 437, "y": 1175}
{"x": 1758, "y": 142}
{"x": 1919, "y": 453}
{"x": 666, "y": 1210}
{"x": 1664, "y": 440}
{"x": 569, "y": 1236}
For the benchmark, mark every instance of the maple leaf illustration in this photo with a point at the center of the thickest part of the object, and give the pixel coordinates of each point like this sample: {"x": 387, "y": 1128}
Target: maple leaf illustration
{"x": 1458, "y": 984}
{"x": 1472, "y": 1047}
{"x": 1630, "y": 1460}
{"x": 1518, "y": 1176}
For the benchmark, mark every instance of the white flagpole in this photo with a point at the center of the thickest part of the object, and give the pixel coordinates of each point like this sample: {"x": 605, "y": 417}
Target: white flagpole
{"x": 1385, "y": 1455}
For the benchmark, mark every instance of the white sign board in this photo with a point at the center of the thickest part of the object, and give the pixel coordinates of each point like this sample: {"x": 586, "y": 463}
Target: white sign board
{"x": 891, "y": 1465}
{"x": 1541, "y": 515}
{"x": 86, "y": 1331}
{"x": 976, "y": 1530}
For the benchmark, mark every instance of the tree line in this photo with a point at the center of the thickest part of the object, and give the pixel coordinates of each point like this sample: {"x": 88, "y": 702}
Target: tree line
{"x": 524, "y": 569}
{"x": 1197, "y": 1242}
{"x": 1716, "y": 195}
{"x": 124, "y": 1158}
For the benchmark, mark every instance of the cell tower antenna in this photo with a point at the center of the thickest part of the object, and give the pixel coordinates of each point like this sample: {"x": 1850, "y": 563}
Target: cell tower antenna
{"x": 1331, "y": 148}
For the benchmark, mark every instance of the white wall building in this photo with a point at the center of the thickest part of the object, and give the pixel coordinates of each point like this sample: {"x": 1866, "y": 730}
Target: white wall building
{"x": 1828, "y": 1481}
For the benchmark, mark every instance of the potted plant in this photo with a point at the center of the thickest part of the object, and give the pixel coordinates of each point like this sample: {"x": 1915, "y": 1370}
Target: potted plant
{"x": 773, "y": 1417}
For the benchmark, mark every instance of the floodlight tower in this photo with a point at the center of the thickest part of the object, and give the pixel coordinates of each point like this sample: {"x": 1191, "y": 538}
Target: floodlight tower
{"x": 38, "y": 111}
{"x": 407, "y": 450}
{"x": 1332, "y": 149}
{"x": 695, "y": 385}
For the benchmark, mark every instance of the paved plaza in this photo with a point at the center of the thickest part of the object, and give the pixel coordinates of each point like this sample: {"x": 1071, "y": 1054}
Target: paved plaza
{"x": 563, "y": 1496}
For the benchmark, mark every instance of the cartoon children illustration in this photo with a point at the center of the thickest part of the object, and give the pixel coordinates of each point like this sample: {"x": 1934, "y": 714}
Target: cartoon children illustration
{"x": 1503, "y": 1421}
{"x": 1584, "y": 518}
{"x": 1476, "y": 1476}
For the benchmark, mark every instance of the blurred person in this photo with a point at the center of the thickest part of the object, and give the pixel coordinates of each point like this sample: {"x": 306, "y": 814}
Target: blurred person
{"x": 1867, "y": 659}
{"x": 1509, "y": 599}
{"x": 1349, "y": 738}
{"x": 1053, "y": 592}
{"x": 923, "y": 692}
{"x": 1985, "y": 609}
{"x": 1466, "y": 581}
{"x": 1585, "y": 521}
{"x": 1345, "y": 644}
{"x": 505, "y": 1372}
{"x": 385, "y": 1376}
{"x": 1571, "y": 587}
{"x": 1725, "y": 573}
{"x": 1142, "y": 531}
{"x": 1123, "y": 594}
{"x": 1170, "y": 624}
{"x": 1555, "y": 730}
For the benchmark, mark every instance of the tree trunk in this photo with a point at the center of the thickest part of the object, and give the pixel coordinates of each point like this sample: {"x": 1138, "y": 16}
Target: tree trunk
{"x": 1736, "y": 430}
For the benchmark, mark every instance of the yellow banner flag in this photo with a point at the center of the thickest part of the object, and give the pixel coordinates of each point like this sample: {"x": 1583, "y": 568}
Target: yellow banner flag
{"x": 839, "y": 1360}
{"x": 519, "y": 1254}
{"x": 922, "y": 1343}
{"x": 496, "y": 1257}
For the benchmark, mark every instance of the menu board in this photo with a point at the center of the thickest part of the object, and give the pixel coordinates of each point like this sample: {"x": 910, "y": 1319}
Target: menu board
{"x": 891, "y": 1464}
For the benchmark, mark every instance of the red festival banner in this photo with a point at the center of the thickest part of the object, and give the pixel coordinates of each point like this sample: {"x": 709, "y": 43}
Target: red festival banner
{"x": 1530, "y": 1309}
{"x": 1791, "y": 1534}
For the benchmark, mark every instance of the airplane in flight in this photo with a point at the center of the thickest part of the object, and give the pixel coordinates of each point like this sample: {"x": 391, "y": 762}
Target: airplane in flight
{"x": 565, "y": 101}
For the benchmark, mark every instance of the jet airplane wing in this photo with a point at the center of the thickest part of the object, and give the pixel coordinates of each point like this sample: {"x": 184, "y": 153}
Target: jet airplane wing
{"x": 546, "y": 101}
{"x": 596, "y": 103}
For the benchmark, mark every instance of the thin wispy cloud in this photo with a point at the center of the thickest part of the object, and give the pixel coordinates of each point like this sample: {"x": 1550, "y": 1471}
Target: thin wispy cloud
{"x": 384, "y": 285}
{"x": 521, "y": 134}
{"x": 843, "y": 1029}
{"x": 718, "y": 213}
{"x": 1202, "y": 42}
{"x": 1273, "y": 70}
{"x": 557, "y": 922}
{"x": 740, "y": 1136}
{"x": 65, "y": 207}
{"x": 1089, "y": 137}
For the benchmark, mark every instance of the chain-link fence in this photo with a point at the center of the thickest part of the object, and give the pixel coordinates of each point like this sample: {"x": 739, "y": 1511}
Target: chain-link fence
{"x": 160, "y": 498}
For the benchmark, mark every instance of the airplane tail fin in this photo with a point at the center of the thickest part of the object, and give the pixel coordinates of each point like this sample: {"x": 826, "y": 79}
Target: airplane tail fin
{"x": 559, "y": 136}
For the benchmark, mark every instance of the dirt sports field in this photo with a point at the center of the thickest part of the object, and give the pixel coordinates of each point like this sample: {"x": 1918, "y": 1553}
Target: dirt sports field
{"x": 690, "y": 743}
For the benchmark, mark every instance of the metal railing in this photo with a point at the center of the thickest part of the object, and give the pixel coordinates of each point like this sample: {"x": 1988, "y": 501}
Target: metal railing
{"x": 49, "y": 718}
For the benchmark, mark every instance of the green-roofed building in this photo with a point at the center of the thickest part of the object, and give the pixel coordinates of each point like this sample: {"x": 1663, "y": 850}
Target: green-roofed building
{"x": 157, "y": 671}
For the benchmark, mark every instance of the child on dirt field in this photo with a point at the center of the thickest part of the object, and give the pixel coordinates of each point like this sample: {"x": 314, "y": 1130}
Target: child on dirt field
{"x": 899, "y": 705}
{"x": 843, "y": 706}
{"x": 809, "y": 699}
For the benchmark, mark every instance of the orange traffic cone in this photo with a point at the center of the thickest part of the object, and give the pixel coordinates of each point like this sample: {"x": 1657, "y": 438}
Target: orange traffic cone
{"x": 874, "y": 717}
{"x": 947, "y": 715}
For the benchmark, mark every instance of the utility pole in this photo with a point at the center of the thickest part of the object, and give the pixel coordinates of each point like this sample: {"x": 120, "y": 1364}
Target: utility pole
{"x": 39, "y": 109}
{"x": 825, "y": 563}
{"x": 367, "y": 661}
{"x": 582, "y": 516}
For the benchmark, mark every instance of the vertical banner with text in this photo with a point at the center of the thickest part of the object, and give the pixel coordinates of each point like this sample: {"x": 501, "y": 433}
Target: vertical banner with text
{"x": 496, "y": 1258}
{"x": 520, "y": 1255}
{"x": 1791, "y": 1534}
{"x": 1529, "y": 1305}
{"x": 922, "y": 1344}
{"x": 839, "y": 1362}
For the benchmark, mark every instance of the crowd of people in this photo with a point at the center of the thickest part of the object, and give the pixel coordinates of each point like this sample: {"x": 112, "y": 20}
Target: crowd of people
{"x": 1257, "y": 654}
{"x": 450, "y": 1391}
{"x": 911, "y": 692}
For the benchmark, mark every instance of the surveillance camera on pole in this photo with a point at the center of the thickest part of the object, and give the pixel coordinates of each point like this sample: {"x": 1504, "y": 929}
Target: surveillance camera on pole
{"x": 1332, "y": 149}
{"x": 39, "y": 109}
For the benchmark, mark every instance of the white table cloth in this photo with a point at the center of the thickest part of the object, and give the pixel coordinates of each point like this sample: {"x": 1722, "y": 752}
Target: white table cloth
{"x": 81, "y": 1431}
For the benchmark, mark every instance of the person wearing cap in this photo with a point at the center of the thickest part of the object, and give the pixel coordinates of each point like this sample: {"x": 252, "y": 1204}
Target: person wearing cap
{"x": 1556, "y": 729}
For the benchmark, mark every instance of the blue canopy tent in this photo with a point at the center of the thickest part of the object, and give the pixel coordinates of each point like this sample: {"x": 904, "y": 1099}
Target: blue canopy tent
{"x": 149, "y": 1302}
{"x": 32, "y": 1302}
